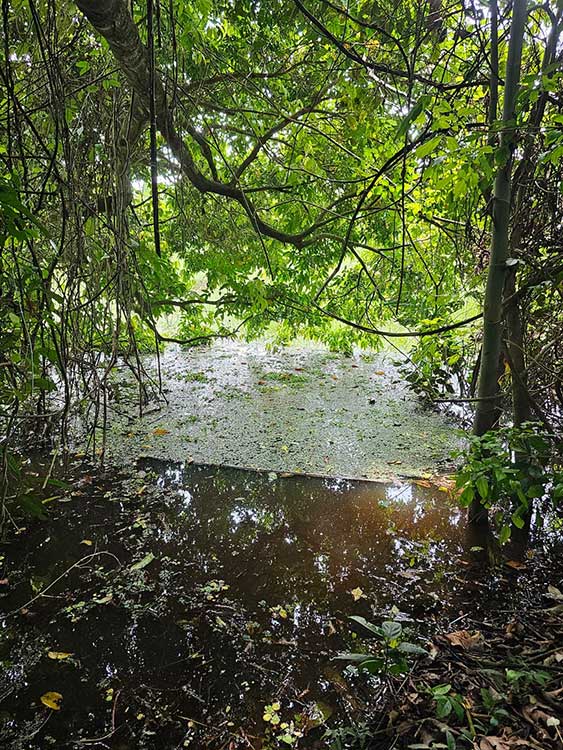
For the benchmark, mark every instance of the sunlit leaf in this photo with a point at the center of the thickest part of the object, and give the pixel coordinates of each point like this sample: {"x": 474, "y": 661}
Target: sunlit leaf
{"x": 52, "y": 700}
{"x": 357, "y": 593}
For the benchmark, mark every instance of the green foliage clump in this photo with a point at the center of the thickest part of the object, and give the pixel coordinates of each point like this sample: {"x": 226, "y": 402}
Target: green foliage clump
{"x": 507, "y": 470}
{"x": 439, "y": 365}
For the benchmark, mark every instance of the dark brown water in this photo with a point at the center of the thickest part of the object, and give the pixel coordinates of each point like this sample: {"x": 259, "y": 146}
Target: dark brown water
{"x": 240, "y": 597}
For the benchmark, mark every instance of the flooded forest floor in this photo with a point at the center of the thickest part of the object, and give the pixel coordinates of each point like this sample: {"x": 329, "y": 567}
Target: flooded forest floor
{"x": 169, "y": 601}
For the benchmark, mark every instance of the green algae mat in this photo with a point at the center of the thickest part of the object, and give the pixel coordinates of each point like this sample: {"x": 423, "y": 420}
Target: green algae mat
{"x": 299, "y": 410}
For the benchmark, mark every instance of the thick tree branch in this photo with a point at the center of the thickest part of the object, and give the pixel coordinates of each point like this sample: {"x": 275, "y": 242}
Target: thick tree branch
{"x": 113, "y": 21}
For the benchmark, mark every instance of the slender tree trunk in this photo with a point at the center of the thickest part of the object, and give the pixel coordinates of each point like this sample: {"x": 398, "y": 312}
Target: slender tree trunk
{"x": 515, "y": 339}
{"x": 486, "y": 414}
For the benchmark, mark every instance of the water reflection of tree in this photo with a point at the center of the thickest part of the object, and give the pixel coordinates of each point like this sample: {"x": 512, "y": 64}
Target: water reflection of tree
{"x": 308, "y": 539}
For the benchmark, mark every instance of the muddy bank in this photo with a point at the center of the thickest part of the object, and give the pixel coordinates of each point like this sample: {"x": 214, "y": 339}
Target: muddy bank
{"x": 296, "y": 410}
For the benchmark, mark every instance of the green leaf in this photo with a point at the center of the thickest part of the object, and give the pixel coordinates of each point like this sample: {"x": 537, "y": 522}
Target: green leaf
{"x": 413, "y": 114}
{"x": 443, "y": 708}
{"x": 370, "y": 627}
{"x": 441, "y": 689}
{"x": 482, "y": 487}
{"x": 517, "y": 520}
{"x": 411, "y": 648}
{"x": 466, "y": 497}
{"x": 426, "y": 148}
{"x": 373, "y": 666}
{"x": 504, "y": 535}
{"x": 391, "y": 630}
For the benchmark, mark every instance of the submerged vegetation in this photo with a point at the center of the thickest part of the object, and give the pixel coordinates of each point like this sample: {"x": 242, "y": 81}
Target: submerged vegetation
{"x": 379, "y": 176}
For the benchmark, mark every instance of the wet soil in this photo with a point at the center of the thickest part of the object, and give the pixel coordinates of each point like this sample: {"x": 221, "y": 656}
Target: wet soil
{"x": 186, "y": 599}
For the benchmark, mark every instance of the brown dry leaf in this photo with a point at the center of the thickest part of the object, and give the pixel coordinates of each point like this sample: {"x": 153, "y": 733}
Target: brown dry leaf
{"x": 516, "y": 564}
{"x": 464, "y": 639}
{"x": 331, "y": 630}
{"x": 554, "y": 693}
{"x": 493, "y": 743}
{"x": 555, "y": 658}
{"x": 534, "y": 715}
{"x": 514, "y": 628}
{"x": 507, "y": 742}
{"x": 52, "y": 700}
{"x": 160, "y": 431}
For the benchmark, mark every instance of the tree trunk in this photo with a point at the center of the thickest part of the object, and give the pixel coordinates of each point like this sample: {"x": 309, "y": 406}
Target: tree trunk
{"x": 486, "y": 414}
{"x": 515, "y": 339}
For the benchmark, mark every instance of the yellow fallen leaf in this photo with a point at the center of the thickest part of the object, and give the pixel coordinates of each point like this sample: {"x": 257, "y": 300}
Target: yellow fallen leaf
{"x": 379, "y": 372}
{"x": 160, "y": 431}
{"x": 58, "y": 654}
{"x": 87, "y": 542}
{"x": 52, "y": 700}
{"x": 357, "y": 593}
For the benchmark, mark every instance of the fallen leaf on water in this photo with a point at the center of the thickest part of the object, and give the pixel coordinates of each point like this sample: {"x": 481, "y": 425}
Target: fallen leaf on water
{"x": 87, "y": 542}
{"x": 147, "y": 559}
{"x": 554, "y": 593}
{"x": 52, "y": 700}
{"x": 160, "y": 431}
{"x": 104, "y": 599}
{"x": 464, "y": 638}
{"x": 357, "y": 593}
{"x": 58, "y": 654}
{"x": 516, "y": 564}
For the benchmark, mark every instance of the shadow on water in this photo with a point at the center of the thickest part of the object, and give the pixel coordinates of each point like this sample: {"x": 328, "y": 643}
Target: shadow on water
{"x": 224, "y": 590}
